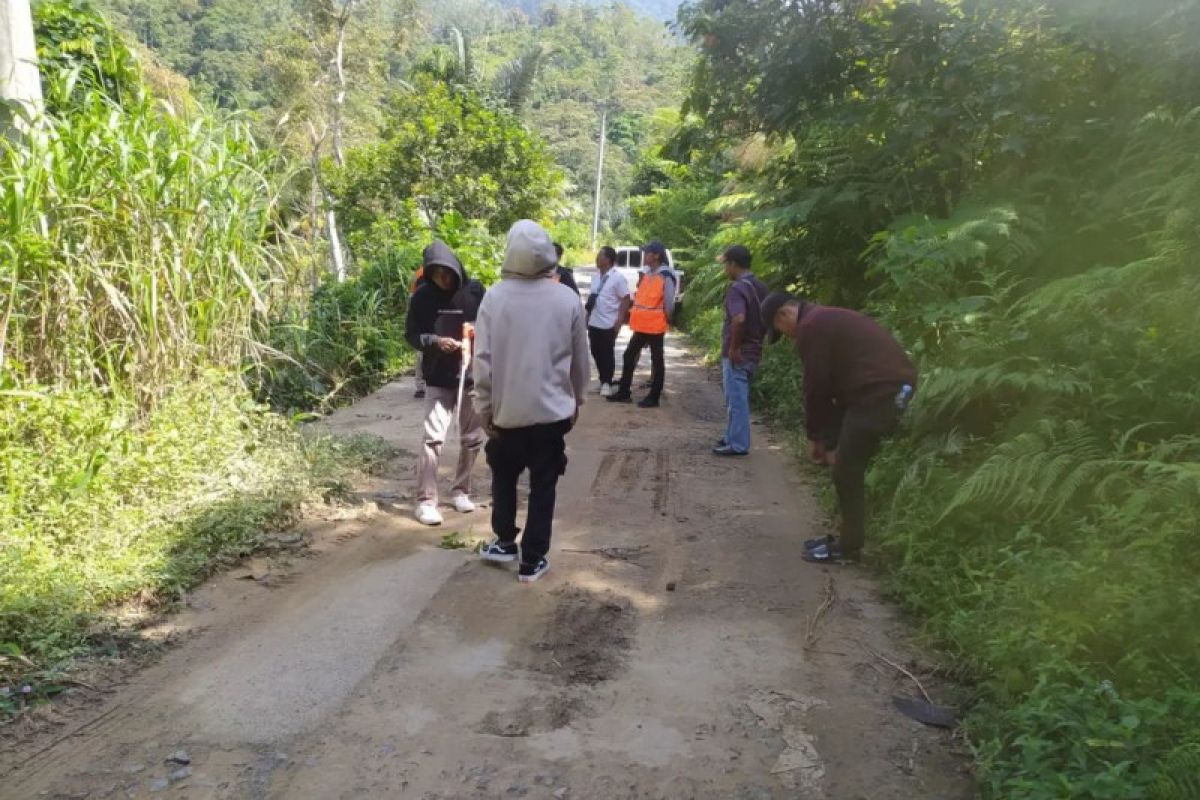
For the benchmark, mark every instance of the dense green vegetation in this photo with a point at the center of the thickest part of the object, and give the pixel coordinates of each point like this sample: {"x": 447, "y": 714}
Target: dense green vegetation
{"x": 1012, "y": 187}
{"x": 583, "y": 59}
{"x": 554, "y": 65}
{"x": 137, "y": 256}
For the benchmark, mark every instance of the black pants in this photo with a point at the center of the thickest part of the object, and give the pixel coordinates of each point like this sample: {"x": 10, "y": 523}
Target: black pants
{"x": 541, "y": 449}
{"x": 604, "y": 353}
{"x": 658, "y": 368}
{"x": 863, "y": 429}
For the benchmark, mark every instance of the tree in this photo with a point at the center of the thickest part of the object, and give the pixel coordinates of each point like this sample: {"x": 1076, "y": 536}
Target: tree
{"x": 330, "y": 72}
{"x": 446, "y": 150}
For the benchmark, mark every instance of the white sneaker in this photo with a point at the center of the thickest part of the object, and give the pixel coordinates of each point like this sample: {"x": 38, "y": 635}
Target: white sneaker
{"x": 607, "y": 390}
{"x": 427, "y": 514}
{"x": 463, "y": 504}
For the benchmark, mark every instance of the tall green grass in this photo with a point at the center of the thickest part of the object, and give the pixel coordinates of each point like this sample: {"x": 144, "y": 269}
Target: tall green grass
{"x": 141, "y": 252}
{"x": 135, "y": 245}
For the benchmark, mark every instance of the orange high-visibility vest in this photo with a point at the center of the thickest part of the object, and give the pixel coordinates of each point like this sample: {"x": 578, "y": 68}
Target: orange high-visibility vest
{"x": 416, "y": 280}
{"x": 647, "y": 315}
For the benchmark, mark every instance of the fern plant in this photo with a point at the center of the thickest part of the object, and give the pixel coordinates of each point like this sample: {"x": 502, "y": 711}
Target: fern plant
{"x": 1178, "y": 774}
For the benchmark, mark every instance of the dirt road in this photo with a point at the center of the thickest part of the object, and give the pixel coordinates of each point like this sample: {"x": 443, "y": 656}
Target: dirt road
{"x": 670, "y": 653}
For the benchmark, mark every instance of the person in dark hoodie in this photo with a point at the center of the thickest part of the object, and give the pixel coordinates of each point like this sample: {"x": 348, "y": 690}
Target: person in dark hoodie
{"x": 437, "y": 314}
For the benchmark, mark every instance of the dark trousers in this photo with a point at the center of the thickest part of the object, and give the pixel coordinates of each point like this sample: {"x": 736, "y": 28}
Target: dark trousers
{"x": 658, "y": 368}
{"x": 604, "y": 353}
{"x": 541, "y": 449}
{"x": 863, "y": 429}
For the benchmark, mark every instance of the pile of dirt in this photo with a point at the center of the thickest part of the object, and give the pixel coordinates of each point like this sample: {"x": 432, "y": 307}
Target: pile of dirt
{"x": 587, "y": 637}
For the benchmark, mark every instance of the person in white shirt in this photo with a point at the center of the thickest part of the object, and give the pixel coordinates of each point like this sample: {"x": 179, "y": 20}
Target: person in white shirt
{"x": 531, "y": 375}
{"x": 608, "y": 306}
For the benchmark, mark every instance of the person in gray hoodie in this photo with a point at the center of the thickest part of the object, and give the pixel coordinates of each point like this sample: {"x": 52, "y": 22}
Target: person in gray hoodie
{"x": 531, "y": 375}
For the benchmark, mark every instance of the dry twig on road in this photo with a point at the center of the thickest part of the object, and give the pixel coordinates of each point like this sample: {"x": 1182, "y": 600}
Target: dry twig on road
{"x": 814, "y": 622}
{"x": 899, "y": 668}
{"x": 626, "y": 554}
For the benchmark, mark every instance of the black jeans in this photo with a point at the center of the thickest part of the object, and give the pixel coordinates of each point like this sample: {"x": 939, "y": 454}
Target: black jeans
{"x": 541, "y": 449}
{"x": 863, "y": 429}
{"x": 633, "y": 354}
{"x": 604, "y": 343}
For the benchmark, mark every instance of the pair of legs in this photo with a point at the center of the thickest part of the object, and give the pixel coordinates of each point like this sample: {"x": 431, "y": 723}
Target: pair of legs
{"x": 439, "y": 418}
{"x": 736, "y": 381}
{"x": 633, "y": 354}
{"x": 863, "y": 429}
{"x": 541, "y": 449}
{"x": 604, "y": 342}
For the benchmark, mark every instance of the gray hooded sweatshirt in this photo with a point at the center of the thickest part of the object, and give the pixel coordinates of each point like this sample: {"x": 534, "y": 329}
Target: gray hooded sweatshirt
{"x": 531, "y": 347}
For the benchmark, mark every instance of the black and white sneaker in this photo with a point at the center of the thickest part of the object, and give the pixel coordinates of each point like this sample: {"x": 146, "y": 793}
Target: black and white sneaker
{"x": 829, "y": 554}
{"x": 528, "y": 573}
{"x": 499, "y": 552}
{"x": 813, "y": 544}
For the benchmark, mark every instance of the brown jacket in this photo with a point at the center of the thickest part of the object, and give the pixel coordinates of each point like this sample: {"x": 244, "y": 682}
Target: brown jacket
{"x": 849, "y": 359}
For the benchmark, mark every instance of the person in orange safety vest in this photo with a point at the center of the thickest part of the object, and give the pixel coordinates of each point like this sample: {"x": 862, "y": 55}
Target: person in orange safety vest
{"x": 649, "y": 320}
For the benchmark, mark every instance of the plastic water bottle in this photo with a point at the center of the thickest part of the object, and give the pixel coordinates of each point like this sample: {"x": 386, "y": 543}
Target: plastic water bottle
{"x": 903, "y": 396}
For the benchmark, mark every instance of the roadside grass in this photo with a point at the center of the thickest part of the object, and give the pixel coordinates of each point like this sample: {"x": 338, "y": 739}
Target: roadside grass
{"x": 102, "y": 506}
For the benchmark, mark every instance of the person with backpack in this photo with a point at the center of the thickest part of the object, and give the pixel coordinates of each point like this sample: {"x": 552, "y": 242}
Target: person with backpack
{"x": 531, "y": 376}
{"x": 741, "y": 347}
{"x": 858, "y": 382}
{"x": 437, "y": 325}
{"x": 607, "y": 308}
{"x": 649, "y": 320}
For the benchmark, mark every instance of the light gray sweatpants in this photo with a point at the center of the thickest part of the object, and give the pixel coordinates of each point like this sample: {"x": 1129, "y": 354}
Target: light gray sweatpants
{"x": 439, "y": 418}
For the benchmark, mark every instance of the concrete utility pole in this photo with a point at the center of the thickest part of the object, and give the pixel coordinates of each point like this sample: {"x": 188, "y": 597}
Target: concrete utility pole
{"x": 19, "y": 79}
{"x": 599, "y": 174}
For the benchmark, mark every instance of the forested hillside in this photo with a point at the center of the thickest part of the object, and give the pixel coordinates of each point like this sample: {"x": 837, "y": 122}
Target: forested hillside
{"x": 661, "y": 10}
{"x": 1012, "y": 188}
{"x": 557, "y": 65}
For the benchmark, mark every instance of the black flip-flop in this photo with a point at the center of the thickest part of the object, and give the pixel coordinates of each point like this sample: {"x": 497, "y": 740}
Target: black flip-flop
{"x": 925, "y": 712}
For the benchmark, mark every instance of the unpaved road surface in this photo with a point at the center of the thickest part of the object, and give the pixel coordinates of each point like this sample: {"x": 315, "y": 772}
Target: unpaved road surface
{"x": 678, "y": 648}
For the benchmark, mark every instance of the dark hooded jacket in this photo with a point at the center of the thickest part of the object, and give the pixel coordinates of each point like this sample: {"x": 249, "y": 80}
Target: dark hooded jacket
{"x": 434, "y": 312}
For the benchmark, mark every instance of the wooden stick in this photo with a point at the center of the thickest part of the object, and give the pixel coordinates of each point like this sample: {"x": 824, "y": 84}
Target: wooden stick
{"x": 814, "y": 622}
{"x": 899, "y": 669}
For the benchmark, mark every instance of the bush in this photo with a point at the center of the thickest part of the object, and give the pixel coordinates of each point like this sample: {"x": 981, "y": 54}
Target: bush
{"x": 349, "y": 340}
{"x": 102, "y": 504}
{"x": 138, "y": 248}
